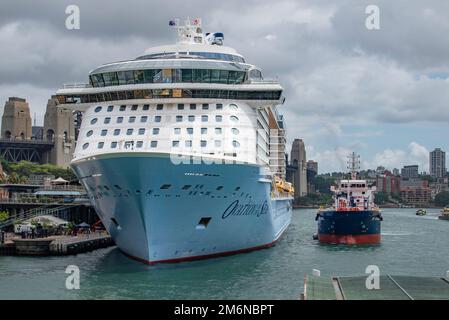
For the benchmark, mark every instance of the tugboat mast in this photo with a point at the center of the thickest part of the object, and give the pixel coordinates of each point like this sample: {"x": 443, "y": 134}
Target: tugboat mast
{"x": 353, "y": 165}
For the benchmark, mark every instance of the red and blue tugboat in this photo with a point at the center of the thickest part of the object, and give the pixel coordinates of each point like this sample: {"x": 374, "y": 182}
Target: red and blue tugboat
{"x": 353, "y": 218}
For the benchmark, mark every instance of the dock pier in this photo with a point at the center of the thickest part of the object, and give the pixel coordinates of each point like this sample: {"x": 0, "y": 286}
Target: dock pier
{"x": 57, "y": 245}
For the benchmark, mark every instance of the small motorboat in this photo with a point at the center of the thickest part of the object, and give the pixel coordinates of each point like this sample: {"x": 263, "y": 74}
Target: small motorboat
{"x": 444, "y": 214}
{"x": 421, "y": 212}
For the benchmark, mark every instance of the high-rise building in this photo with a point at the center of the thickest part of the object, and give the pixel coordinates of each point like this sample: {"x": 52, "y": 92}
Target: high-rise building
{"x": 298, "y": 159}
{"x": 313, "y": 166}
{"x": 396, "y": 172}
{"x": 437, "y": 163}
{"x": 409, "y": 172}
{"x": 312, "y": 170}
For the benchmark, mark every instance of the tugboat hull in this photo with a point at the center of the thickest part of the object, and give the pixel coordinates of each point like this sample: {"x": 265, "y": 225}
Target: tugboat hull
{"x": 349, "y": 227}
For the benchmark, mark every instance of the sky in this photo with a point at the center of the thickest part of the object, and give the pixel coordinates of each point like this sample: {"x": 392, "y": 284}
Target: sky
{"x": 382, "y": 93}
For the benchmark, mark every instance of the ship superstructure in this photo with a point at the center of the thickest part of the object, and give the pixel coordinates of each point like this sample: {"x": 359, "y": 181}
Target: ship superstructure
{"x": 175, "y": 150}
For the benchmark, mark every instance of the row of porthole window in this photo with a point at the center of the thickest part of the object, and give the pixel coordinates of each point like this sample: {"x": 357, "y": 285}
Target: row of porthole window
{"x": 153, "y": 144}
{"x": 144, "y": 119}
{"x": 155, "y": 131}
{"x": 134, "y": 107}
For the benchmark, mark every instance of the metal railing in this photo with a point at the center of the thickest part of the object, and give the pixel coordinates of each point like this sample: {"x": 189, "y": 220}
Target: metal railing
{"x": 76, "y": 85}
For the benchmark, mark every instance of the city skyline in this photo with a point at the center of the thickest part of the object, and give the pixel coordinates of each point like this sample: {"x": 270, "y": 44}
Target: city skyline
{"x": 342, "y": 81}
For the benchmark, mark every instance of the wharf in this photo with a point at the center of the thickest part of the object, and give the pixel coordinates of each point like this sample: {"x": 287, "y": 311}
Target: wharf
{"x": 57, "y": 245}
{"x": 391, "y": 288}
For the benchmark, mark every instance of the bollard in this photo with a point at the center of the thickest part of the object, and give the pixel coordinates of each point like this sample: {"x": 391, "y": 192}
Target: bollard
{"x": 316, "y": 272}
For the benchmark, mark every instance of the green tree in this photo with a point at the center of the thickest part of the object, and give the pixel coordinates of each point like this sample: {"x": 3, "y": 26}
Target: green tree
{"x": 381, "y": 198}
{"x": 4, "y": 215}
{"x": 442, "y": 199}
{"x": 323, "y": 185}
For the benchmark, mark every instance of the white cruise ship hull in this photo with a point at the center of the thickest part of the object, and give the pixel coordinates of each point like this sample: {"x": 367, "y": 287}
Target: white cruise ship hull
{"x": 158, "y": 211}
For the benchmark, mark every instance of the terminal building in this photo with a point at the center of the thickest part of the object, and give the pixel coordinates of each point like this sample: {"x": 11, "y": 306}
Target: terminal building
{"x": 53, "y": 143}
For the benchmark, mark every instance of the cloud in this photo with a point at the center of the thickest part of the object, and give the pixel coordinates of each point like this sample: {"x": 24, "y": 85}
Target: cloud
{"x": 397, "y": 158}
{"x": 335, "y": 72}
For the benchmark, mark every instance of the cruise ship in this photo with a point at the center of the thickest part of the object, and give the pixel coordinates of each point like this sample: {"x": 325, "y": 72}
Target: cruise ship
{"x": 181, "y": 148}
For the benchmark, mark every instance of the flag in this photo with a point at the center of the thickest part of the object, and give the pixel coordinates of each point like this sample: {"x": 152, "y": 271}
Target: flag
{"x": 173, "y": 22}
{"x": 196, "y": 21}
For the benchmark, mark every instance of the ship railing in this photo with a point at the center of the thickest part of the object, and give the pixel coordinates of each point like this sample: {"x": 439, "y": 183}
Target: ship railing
{"x": 265, "y": 81}
{"x": 76, "y": 85}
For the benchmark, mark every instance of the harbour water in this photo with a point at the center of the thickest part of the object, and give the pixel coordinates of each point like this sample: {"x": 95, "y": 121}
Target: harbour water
{"x": 411, "y": 245}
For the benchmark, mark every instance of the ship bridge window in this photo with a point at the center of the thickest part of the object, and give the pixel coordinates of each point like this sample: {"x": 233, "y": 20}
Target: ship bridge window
{"x": 143, "y": 119}
{"x": 98, "y": 109}
{"x": 132, "y": 119}
{"x": 100, "y": 145}
{"x": 159, "y": 107}
{"x": 107, "y": 120}
{"x": 122, "y": 107}
{"x": 110, "y": 108}
{"x": 219, "y": 106}
{"x": 180, "y": 106}
{"x": 116, "y": 132}
{"x": 129, "y": 132}
{"x": 89, "y": 133}
{"x": 146, "y": 107}
{"x": 93, "y": 121}
{"x": 134, "y": 107}
{"x": 141, "y": 131}
{"x": 205, "y": 106}
{"x": 113, "y": 144}
{"x": 157, "y": 119}
{"x": 119, "y": 119}
{"x": 255, "y": 74}
{"x": 155, "y": 131}
{"x": 153, "y": 144}
{"x": 192, "y": 106}
{"x": 104, "y": 132}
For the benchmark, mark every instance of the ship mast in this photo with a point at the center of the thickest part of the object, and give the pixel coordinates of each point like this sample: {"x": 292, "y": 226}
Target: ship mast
{"x": 353, "y": 164}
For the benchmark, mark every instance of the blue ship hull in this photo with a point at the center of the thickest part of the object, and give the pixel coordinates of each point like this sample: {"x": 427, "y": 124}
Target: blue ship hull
{"x": 159, "y": 211}
{"x": 349, "y": 227}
